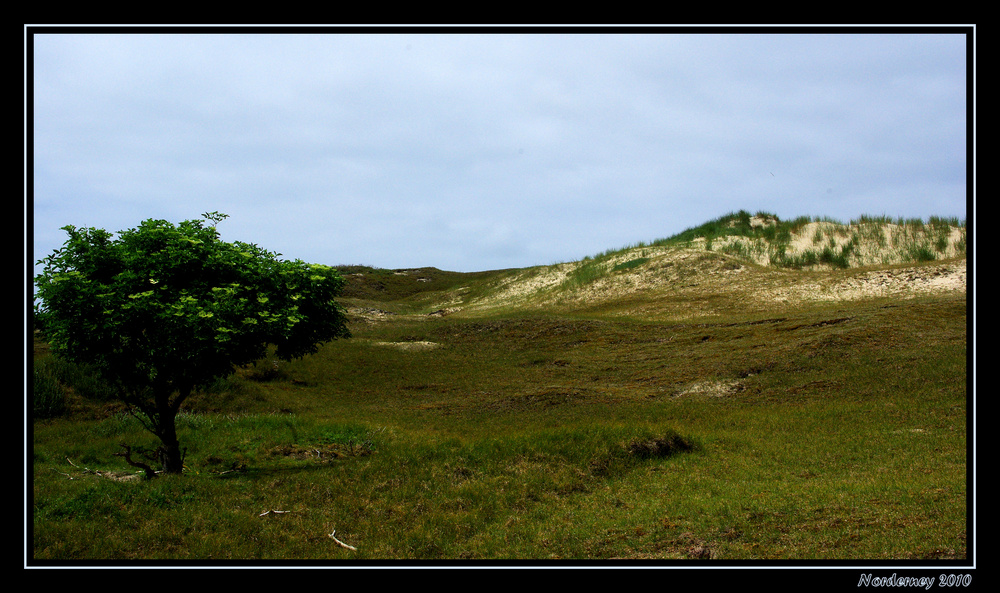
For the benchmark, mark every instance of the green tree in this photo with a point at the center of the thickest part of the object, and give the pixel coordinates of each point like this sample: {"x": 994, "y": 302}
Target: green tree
{"x": 163, "y": 309}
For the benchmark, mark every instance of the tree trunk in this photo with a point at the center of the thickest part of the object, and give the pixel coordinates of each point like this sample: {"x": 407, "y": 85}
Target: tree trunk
{"x": 173, "y": 462}
{"x": 171, "y": 457}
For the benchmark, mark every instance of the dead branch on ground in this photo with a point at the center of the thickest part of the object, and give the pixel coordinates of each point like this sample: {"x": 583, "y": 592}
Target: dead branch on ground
{"x": 127, "y": 455}
{"x": 342, "y": 544}
{"x": 273, "y": 512}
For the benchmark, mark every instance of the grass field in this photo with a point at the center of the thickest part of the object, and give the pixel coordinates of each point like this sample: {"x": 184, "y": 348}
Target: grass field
{"x": 685, "y": 421}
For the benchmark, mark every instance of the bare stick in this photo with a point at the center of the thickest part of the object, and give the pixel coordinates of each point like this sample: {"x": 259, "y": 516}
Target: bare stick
{"x": 274, "y": 512}
{"x": 342, "y": 544}
{"x": 85, "y": 470}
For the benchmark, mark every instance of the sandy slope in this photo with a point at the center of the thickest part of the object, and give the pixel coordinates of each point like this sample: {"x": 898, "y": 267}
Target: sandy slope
{"x": 695, "y": 281}
{"x": 874, "y": 243}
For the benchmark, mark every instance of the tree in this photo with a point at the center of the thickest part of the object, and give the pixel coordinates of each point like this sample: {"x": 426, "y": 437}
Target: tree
{"x": 162, "y": 309}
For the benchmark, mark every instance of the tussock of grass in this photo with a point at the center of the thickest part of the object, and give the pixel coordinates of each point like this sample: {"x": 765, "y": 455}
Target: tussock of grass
{"x": 658, "y": 447}
{"x": 630, "y": 264}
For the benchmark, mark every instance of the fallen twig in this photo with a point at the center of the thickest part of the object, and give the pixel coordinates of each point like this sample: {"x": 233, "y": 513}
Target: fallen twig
{"x": 342, "y": 544}
{"x": 85, "y": 470}
{"x": 238, "y": 468}
{"x": 273, "y": 512}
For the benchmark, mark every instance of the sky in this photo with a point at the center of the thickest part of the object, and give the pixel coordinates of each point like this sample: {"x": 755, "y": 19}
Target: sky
{"x": 472, "y": 150}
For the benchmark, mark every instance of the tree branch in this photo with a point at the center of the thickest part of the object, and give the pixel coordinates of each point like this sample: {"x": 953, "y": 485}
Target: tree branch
{"x": 150, "y": 472}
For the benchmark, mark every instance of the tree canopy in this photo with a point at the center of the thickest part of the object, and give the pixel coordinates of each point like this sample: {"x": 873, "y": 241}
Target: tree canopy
{"x": 164, "y": 308}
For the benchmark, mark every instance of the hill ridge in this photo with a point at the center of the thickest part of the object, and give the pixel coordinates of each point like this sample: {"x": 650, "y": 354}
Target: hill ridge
{"x": 738, "y": 262}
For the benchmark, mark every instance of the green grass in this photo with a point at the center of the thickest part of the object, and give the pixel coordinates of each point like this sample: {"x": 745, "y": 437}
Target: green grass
{"x": 821, "y": 431}
{"x": 518, "y": 439}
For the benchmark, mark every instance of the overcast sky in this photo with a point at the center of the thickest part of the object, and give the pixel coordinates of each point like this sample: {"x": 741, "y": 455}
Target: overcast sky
{"x": 482, "y": 151}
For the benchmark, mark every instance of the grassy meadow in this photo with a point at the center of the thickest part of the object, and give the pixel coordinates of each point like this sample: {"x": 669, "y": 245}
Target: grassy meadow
{"x": 443, "y": 432}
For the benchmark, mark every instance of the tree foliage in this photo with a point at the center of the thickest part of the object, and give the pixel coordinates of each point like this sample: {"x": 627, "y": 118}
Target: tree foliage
{"x": 163, "y": 309}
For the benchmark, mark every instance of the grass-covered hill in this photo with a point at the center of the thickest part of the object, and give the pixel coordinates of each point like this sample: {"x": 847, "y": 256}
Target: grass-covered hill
{"x": 717, "y": 396}
{"x": 379, "y": 284}
{"x": 736, "y": 262}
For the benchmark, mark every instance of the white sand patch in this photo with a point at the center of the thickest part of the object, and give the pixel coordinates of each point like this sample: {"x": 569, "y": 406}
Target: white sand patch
{"x": 711, "y": 388}
{"x": 408, "y": 346}
{"x": 896, "y": 282}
